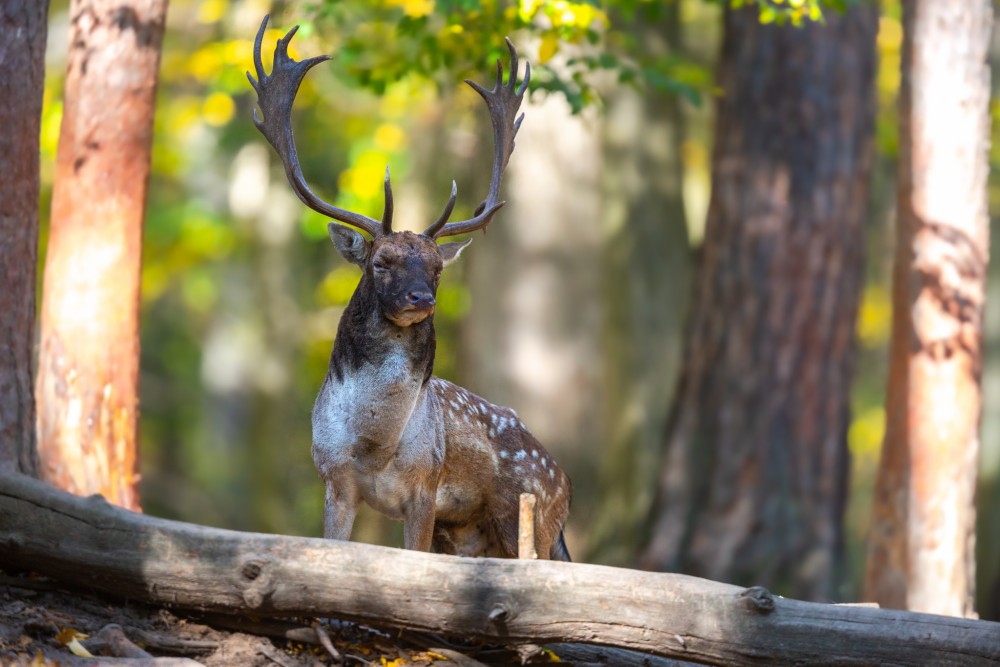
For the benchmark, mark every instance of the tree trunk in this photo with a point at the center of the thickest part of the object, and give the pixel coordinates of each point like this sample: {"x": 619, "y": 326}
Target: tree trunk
{"x": 23, "y": 30}
{"x": 512, "y": 601}
{"x": 921, "y": 553}
{"x": 753, "y": 479}
{"x": 88, "y": 363}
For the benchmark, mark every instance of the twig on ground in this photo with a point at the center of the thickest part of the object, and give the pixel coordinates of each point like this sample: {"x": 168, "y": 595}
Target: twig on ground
{"x": 276, "y": 656}
{"x": 324, "y": 640}
{"x": 111, "y": 640}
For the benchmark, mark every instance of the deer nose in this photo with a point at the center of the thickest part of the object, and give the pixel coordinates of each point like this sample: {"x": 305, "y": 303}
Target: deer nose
{"x": 420, "y": 299}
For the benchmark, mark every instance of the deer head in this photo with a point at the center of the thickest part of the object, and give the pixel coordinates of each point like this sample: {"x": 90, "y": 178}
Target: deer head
{"x": 402, "y": 268}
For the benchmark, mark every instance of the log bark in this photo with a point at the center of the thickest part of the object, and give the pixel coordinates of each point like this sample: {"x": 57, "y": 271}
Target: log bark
{"x": 87, "y": 542}
{"x": 921, "y": 552}
{"x": 23, "y": 31}
{"x": 88, "y": 368}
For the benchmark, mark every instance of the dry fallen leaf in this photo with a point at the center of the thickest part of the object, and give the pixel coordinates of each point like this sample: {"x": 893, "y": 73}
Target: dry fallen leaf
{"x": 550, "y": 655}
{"x": 77, "y": 649}
{"x": 66, "y": 635}
{"x": 427, "y": 656}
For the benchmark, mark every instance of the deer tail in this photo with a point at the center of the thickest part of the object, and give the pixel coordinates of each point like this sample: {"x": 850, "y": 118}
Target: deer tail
{"x": 559, "y": 550}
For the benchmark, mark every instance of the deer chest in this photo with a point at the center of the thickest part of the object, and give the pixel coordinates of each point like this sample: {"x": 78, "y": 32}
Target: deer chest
{"x": 371, "y": 421}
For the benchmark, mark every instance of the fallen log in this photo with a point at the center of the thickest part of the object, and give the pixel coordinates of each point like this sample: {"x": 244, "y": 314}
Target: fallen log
{"x": 88, "y": 542}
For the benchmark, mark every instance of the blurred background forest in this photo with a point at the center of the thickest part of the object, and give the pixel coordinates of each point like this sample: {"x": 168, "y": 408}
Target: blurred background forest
{"x": 570, "y": 310}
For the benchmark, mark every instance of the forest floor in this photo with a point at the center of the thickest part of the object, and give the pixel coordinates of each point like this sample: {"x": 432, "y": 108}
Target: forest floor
{"x": 40, "y": 619}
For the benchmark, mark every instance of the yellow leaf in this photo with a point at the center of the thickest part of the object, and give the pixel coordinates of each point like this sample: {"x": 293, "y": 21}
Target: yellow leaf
{"x": 218, "y": 109}
{"x": 414, "y": 8}
{"x": 76, "y": 648}
{"x": 66, "y": 635}
{"x": 211, "y": 11}
{"x": 548, "y": 48}
{"x": 550, "y": 655}
{"x": 389, "y": 137}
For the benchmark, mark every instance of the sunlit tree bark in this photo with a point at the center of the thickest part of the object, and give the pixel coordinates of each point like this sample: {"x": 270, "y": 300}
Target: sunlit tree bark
{"x": 23, "y": 30}
{"x": 921, "y": 553}
{"x": 753, "y": 478}
{"x": 88, "y": 365}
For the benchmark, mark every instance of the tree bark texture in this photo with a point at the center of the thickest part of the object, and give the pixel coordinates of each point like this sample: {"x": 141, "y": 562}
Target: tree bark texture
{"x": 23, "y": 31}
{"x": 87, "y": 388}
{"x": 753, "y": 479}
{"x": 921, "y": 549}
{"x": 88, "y": 543}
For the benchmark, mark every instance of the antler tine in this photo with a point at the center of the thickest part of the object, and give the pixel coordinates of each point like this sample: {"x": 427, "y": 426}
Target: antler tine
{"x": 275, "y": 94}
{"x": 387, "y": 209}
{"x": 503, "y": 102}
{"x": 445, "y": 214}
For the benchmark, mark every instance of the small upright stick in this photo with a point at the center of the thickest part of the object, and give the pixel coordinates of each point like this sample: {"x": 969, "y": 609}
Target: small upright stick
{"x": 526, "y": 528}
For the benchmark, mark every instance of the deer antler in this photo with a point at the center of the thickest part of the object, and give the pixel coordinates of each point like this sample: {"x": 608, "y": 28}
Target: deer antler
{"x": 275, "y": 94}
{"x": 503, "y": 101}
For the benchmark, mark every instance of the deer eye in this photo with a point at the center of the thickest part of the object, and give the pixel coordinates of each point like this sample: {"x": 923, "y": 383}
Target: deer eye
{"x": 380, "y": 267}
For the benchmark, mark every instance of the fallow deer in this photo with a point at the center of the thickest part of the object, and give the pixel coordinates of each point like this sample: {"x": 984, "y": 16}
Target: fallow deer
{"x": 415, "y": 447}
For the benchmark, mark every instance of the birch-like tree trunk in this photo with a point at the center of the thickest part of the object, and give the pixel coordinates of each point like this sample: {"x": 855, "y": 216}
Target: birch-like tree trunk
{"x": 87, "y": 387}
{"x": 921, "y": 554}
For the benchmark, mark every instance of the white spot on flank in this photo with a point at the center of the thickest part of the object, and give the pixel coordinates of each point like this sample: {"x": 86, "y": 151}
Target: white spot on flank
{"x": 534, "y": 466}
{"x": 504, "y": 454}
{"x": 545, "y": 463}
{"x": 453, "y": 404}
{"x": 521, "y": 454}
{"x": 518, "y": 469}
{"x": 552, "y": 473}
{"x": 534, "y": 453}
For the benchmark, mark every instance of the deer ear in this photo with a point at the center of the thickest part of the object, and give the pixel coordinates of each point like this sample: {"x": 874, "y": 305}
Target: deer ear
{"x": 451, "y": 251}
{"x": 351, "y": 245}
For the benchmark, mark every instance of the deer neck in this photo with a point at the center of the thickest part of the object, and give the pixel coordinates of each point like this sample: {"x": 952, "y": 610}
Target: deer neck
{"x": 368, "y": 342}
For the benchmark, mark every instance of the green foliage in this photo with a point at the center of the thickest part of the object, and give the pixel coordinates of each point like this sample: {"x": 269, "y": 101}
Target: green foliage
{"x": 573, "y": 44}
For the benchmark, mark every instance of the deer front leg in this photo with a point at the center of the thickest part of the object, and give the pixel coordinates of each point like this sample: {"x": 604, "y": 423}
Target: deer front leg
{"x": 418, "y": 521}
{"x": 339, "y": 510}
